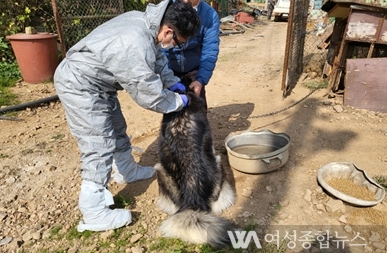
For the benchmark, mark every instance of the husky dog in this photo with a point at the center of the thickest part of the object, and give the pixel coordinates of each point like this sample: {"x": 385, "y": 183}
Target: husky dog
{"x": 193, "y": 186}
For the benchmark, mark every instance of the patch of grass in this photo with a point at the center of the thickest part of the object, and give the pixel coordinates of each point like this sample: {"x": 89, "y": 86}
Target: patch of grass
{"x": 382, "y": 180}
{"x": 58, "y": 136}
{"x": 73, "y": 234}
{"x": 121, "y": 202}
{"x": 9, "y": 74}
{"x": 313, "y": 84}
{"x": 54, "y": 232}
{"x": 4, "y": 156}
{"x": 124, "y": 239}
{"x": 171, "y": 245}
{"x": 6, "y": 97}
{"x": 27, "y": 151}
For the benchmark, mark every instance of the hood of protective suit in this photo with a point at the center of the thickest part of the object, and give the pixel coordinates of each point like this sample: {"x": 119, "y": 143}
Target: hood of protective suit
{"x": 122, "y": 54}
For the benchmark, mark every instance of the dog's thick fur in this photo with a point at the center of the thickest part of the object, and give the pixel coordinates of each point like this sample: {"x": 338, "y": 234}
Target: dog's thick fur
{"x": 193, "y": 185}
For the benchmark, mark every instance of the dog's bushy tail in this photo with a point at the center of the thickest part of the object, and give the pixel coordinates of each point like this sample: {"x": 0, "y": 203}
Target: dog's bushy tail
{"x": 198, "y": 227}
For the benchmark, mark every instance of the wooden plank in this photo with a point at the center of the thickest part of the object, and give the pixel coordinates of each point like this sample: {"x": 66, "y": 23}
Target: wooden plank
{"x": 325, "y": 37}
{"x": 383, "y": 31}
{"x": 339, "y": 11}
{"x": 365, "y": 85}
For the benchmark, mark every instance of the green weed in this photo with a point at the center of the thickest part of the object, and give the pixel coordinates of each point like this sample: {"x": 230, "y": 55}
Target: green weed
{"x": 58, "y": 136}
{"x": 27, "y": 151}
{"x": 320, "y": 84}
{"x": 6, "y": 97}
{"x": 9, "y": 74}
{"x": 170, "y": 245}
{"x": 382, "y": 180}
{"x": 54, "y": 232}
{"x": 121, "y": 202}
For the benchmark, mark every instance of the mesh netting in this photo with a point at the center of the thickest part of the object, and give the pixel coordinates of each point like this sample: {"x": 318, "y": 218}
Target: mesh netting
{"x": 318, "y": 30}
{"x": 78, "y": 18}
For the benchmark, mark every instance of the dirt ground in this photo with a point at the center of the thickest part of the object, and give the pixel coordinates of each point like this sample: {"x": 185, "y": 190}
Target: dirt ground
{"x": 40, "y": 177}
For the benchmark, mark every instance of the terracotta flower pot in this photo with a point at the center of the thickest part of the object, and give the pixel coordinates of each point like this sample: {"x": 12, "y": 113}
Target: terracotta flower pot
{"x": 36, "y": 55}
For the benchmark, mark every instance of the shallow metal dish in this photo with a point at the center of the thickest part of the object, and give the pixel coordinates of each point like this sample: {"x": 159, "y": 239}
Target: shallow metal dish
{"x": 345, "y": 170}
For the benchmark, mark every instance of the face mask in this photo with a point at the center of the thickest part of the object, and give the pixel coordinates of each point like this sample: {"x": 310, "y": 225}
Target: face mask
{"x": 169, "y": 46}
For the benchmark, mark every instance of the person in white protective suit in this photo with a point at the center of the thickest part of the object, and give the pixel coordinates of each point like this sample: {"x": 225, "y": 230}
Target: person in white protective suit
{"x": 123, "y": 53}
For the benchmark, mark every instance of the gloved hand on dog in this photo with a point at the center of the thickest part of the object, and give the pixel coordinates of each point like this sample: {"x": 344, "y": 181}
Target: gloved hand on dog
{"x": 177, "y": 87}
{"x": 185, "y": 99}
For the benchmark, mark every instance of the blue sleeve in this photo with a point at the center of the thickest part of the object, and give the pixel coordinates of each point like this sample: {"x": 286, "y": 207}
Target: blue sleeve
{"x": 210, "y": 50}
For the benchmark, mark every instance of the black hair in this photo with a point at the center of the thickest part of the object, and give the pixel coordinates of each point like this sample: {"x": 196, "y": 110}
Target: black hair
{"x": 181, "y": 17}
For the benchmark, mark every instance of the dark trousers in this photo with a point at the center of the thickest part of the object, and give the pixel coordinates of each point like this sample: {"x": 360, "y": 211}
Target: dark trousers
{"x": 270, "y": 11}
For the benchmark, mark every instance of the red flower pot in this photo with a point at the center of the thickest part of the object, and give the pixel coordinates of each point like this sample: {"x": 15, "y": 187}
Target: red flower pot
{"x": 36, "y": 55}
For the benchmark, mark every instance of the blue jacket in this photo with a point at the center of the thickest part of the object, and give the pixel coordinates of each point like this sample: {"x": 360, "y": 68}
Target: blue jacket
{"x": 199, "y": 52}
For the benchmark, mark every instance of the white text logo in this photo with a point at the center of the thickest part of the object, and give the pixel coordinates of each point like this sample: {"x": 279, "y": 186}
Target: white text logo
{"x": 243, "y": 242}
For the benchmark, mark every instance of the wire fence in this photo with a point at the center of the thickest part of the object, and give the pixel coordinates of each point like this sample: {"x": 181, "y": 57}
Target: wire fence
{"x": 318, "y": 30}
{"x": 75, "y": 19}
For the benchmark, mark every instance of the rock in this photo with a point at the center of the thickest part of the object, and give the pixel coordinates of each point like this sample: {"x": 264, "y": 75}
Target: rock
{"x": 379, "y": 245}
{"x": 284, "y": 203}
{"x": 338, "y": 108}
{"x": 6, "y": 240}
{"x": 348, "y": 228}
{"x": 269, "y": 189}
{"x": 36, "y": 235}
{"x": 308, "y": 195}
{"x": 27, "y": 236}
{"x": 144, "y": 225}
{"x": 136, "y": 250}
{"x": 73, "y": 250}
{"x": 106, "y": 235}
{"x": 320, "y": 207}
{"x": 10, "y": 180}
{"x": 375, "y": 237}
{"x": 282, "y": 215}
{"x": 46, "y": 234}
{"x": 343, "y": 219}
{"x": 247, "y": 192}
{"x": 333, "y": 206}
{"x": 3, "y": 215}
{"x": 135, "y": 238}
{"x": 327, "y": 102}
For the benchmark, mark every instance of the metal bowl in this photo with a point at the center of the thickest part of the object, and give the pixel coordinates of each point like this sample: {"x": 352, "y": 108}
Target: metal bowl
{"x": 257, "y": 151}
{"x": 345, "y": 170}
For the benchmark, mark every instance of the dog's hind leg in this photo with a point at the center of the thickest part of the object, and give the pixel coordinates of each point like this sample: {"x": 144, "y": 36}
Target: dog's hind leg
{"x": 167, "y": 190}
{"x": 227, "y": 193}
{"x": 225, "y": 200}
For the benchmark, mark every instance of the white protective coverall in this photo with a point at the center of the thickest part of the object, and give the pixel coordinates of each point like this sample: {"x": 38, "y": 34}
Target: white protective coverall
{"x": 119, "y": 54}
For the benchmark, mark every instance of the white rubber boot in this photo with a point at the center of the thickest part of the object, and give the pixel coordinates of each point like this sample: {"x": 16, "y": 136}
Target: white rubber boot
{"x": 94, "y": 202}
{"x": 126, "y": 169}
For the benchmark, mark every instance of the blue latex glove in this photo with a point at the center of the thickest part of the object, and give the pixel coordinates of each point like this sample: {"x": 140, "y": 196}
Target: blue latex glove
{"x": 185, "y": 99}
{"x": 177, "y": 86}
